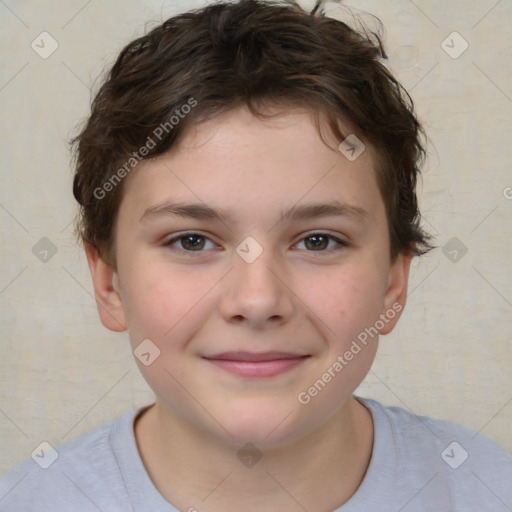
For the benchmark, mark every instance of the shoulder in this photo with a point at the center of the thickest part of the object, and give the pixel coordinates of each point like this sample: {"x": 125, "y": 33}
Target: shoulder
{"x": 442, "y": 459}
{"x": 455, "y": 441}
{"x": 81, "y": 471}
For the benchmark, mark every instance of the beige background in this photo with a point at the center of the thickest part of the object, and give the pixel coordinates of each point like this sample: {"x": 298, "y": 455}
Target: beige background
{"x": 62, "y": 373}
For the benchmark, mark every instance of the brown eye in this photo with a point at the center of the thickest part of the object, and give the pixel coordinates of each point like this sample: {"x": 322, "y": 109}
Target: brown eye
{"x": 192, "y": 242}
{"x": 322, "y": 243}
{"x": 317, "y": 242}
{"x": 189, "y": 242}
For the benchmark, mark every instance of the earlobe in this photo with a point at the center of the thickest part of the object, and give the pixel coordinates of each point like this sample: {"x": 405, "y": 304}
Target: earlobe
{"x": 396, "y": 292}
{"x": 106, "y": 291}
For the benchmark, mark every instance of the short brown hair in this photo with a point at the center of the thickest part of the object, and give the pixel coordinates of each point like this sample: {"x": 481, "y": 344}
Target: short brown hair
{"x": 251, "y": 52}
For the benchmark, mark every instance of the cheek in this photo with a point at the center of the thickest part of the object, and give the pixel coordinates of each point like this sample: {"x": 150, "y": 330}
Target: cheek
{"x": 346, "y": 301}
{"x": 166, "y": 303}
{"x": 153, "y": 303}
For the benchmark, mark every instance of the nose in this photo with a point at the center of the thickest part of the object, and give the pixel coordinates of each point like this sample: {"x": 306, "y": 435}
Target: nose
{"x": 256, "y": 293}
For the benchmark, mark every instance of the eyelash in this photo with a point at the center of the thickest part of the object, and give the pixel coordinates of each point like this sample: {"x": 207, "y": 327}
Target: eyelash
{"x": 342, "y": 244}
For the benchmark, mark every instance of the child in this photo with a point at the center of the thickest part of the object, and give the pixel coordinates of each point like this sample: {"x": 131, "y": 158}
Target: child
{"x": 248, "y": 208}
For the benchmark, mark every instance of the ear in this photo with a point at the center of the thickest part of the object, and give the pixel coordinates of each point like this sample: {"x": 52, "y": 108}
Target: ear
{"x": 396, "y": 292}
{"x": 106, "y": 291}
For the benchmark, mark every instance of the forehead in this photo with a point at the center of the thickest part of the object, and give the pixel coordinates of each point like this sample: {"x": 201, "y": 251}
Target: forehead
{"x": 237, "y": 162}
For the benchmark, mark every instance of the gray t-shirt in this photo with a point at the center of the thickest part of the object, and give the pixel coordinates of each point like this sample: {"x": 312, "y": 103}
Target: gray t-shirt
{"x": 417, "y": 464}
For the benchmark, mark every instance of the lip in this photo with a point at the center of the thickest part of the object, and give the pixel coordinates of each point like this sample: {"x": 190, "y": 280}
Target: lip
{"x": 254, "y": 364}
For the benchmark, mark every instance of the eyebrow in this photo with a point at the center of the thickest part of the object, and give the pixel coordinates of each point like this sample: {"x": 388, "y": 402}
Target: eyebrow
{"x": 201, "y": 211}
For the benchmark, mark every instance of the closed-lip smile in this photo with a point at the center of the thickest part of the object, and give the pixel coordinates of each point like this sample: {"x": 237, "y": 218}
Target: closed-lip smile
{"x": 256, "y": 364}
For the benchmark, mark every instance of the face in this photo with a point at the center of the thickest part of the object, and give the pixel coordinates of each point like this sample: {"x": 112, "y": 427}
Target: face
{"x": 253, "y": 257}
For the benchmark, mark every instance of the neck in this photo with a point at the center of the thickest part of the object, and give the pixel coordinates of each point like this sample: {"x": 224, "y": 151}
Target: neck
{"x": 192, "y": 469}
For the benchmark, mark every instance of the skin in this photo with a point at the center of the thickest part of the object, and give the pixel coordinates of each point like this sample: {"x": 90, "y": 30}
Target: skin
{"x": 293, "y": 297}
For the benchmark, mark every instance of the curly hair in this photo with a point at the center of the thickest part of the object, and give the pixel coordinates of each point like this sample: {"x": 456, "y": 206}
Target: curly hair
{"x": 201, "y": 63}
